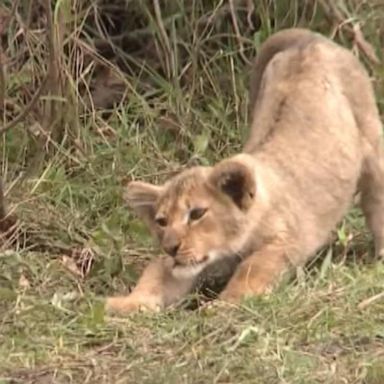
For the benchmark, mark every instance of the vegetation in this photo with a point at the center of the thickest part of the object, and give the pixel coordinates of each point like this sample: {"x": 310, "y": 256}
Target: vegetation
{"x": 94, "y": 93}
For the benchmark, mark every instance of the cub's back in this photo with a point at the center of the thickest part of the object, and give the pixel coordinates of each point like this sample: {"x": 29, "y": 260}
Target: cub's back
{"x": 295, "y": 50}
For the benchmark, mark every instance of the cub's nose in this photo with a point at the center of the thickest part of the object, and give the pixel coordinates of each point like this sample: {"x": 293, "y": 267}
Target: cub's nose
{"x": 172, "y": 248}
{"x": 171, "y": 242}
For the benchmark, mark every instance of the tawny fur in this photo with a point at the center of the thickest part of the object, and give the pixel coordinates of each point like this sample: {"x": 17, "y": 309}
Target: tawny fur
{"x": 315, "y": 140}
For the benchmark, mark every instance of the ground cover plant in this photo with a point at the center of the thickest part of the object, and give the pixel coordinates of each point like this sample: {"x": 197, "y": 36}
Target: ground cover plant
{"x": 96, "y": 93}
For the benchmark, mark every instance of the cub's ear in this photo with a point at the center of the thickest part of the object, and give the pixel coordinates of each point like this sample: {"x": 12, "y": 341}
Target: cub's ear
{"x": 142, "y": 198}
{"x": 236, "y": 180}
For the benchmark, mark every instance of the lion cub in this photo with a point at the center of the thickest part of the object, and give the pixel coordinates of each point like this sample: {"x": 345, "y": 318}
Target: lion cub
{"x": 315, "y": 140}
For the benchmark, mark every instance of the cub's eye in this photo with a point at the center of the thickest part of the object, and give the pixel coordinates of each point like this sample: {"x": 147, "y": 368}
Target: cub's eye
{"x": 197, "y": 213}
{"x": 161, "y": 221}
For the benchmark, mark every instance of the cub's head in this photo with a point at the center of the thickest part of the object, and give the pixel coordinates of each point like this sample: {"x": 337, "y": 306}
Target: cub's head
{"x": 201, "y": 214}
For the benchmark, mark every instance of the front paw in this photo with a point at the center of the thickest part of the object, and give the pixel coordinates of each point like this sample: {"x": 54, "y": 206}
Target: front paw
{"x": 214, "y": 306}
{"x": 237, "y": 291}
{"x": 127, "y": 304}
{"x": 233, "y": 296}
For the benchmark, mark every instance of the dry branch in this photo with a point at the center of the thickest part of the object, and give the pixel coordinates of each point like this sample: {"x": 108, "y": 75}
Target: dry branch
{"x": 167, "y": 45}
{"x": 26, "y": 110}
{"x": 237, "y": 32}
{"x": 2, "y": 81}
{"x": 2, "y": 203}
{"x": 53, "y": 75}
{"x": 333, "y": 14}
{"x": 7, "y": 221}
{"x": 5, "y": 24}
{"x": 3, "y": 27}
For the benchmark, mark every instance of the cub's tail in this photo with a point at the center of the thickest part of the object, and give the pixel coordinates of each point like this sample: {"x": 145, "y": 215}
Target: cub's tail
{"x": 278, "y": 42}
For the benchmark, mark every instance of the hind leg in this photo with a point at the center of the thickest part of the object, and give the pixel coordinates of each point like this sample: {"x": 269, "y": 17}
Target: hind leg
{"x": 371, "y": 186}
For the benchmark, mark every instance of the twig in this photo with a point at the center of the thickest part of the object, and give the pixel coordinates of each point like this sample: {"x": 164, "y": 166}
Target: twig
{"x": 2, "y": 83}
{"x": 370, "y": 300}
{"x": 52, "y": 112}
{"x": 237, "y": 32}
{"x": 250, "y": 11}
{"x": 50, "y": 35}
{"x": 52, "y": 67}
{"x": 10, "y": 17}
{"x": 26, "y": 110}
{"x": 3, "y": 28}
{"x": 2, "y": 202}
{"x": 334, "y": 14}
{"x": 363, "y": 44}
{"x": 163, "y": 33}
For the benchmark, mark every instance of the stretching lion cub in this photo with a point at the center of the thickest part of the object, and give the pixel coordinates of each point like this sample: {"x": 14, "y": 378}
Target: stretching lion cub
{"x": 315, "y": 140}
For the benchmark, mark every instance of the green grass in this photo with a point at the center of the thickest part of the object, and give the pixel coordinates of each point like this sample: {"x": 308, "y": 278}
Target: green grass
{"x": 53, "y": 329}
{"x": 77, "y": 242}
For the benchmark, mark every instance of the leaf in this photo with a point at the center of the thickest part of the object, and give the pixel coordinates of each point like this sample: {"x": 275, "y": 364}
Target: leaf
{"x": 364, "y": 46}
{"x": 342, "y": 236}
{"x": 201, "y": 143}
{"x": 70, "y": 264}
{"x": 257, "y": 39}
{"x": 97, "y": 313}
{"x": 24, "y": 282}
{"x": 325, "y": 265}
{"x": 246, "y": 336}
{"x": 58, "y": 299}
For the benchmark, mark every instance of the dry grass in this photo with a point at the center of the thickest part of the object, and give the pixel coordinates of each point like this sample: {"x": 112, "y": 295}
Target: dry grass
{"x": 87, "y": 103}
